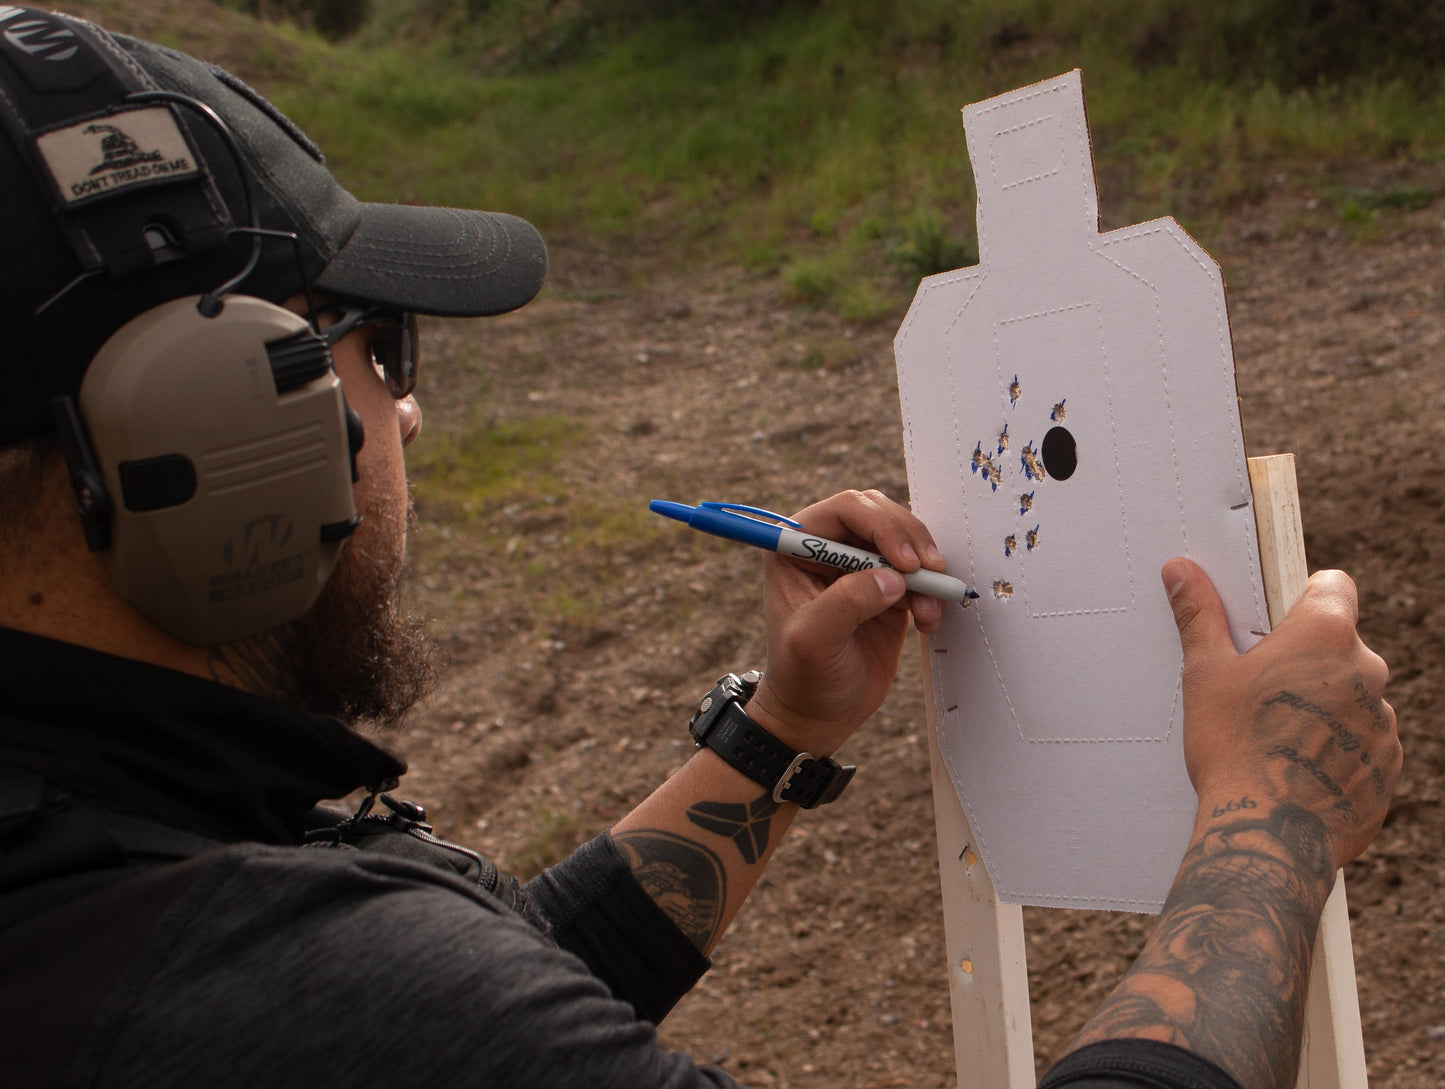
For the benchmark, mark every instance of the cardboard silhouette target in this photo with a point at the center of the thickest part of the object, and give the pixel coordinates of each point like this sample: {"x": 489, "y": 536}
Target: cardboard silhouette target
{"x": 1071, "y": 422}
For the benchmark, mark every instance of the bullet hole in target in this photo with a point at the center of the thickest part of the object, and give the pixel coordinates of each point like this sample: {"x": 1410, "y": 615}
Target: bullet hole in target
{"x": 1060, "y": 453}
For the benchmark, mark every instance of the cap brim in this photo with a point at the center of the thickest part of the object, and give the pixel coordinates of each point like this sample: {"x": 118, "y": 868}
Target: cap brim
{"x": 445, "y": 261}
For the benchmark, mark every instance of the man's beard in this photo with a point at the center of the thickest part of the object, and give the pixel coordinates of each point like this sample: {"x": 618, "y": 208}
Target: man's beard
{"x": 364, "y": 658}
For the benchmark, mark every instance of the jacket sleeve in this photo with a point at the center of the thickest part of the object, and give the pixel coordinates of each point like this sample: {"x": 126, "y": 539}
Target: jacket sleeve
{"x": 1135, "y": 1064}
{"x": 598, "y": 912}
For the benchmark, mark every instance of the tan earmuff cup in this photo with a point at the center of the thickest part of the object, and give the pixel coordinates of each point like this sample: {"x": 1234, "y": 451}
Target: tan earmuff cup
{"x": 223, "y": 489}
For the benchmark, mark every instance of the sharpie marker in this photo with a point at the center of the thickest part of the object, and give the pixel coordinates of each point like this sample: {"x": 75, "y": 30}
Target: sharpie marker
{"x": 784, "y": 536}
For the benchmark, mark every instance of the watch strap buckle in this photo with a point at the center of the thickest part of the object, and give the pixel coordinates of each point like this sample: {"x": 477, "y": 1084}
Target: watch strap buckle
{"x": 811, "y": 781}
{"x": 785, "y": 780}
{"x": 721, "y": 724}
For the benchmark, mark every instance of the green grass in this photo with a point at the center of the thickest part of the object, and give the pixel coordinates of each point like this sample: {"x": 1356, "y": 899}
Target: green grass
{"x": 462, "y": 474}
{"x": 503, "y": 488}
{"x": 822, "y": 143}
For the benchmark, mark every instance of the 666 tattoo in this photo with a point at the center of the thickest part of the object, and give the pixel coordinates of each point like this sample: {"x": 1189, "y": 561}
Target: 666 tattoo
{"x": 1234, "y": 807}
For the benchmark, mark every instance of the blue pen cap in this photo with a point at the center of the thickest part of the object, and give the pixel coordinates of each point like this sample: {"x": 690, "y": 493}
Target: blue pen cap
{"x": 720, "y": 520}
{"x": 679, "y": 512}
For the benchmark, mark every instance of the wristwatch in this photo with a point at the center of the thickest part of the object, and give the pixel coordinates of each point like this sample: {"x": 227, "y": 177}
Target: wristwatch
{"x": 722, "y": 725}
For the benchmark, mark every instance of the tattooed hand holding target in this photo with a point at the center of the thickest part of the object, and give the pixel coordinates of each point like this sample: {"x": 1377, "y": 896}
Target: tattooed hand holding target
{"x": 1299, "y": 719}
{"x": 1293, "y": 751}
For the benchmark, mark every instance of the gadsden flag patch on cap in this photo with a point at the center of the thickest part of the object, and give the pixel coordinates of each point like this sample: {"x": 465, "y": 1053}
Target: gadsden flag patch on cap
{"x": 106, "y": 155}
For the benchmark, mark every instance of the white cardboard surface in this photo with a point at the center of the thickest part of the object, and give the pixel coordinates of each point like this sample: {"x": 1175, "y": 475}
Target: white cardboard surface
{"x": 1058, "y": 704}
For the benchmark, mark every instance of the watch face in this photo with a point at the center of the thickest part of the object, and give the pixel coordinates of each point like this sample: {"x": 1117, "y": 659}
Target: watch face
{"x": 1071, "y": 423}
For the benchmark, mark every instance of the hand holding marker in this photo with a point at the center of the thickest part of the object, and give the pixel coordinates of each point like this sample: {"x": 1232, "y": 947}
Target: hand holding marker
{"x": 782, "y": 535}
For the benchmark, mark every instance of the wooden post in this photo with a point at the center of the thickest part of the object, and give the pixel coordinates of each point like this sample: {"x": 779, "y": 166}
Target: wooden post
{"x": 988, "y": 979}
{"x": 1333, "y": 1056}
{"x": 987, "y": 970}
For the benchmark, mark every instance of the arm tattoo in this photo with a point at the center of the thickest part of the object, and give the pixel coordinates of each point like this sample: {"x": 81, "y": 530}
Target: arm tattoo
{"x": 685, "y": 878}
{"x": 1227, "y": 970}
{"x": 746, "y": 825}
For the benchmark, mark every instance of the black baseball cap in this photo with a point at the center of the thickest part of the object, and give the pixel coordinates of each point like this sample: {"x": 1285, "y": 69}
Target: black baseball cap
{"x": 119, "y": 190}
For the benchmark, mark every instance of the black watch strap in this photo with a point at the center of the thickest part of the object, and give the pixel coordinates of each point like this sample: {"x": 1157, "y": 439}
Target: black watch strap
{"x": 798, "y": 777}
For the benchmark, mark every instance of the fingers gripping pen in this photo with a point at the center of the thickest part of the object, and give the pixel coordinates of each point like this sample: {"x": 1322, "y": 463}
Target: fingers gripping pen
{"x": 776, "y": 533}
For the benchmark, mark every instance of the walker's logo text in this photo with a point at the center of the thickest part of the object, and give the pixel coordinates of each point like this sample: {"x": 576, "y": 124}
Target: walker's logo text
{"x": 36, "y": 35}
{"x": 819, "y": 552}
{"x": 100, "y": 157}
{"x": 257, "y": 559}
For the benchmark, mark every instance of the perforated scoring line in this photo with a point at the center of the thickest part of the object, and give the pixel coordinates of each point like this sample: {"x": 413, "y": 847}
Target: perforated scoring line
{"x": 1175, "y": 705}
{"x": 992, "y": 159}
{"x": 1087, "y": 899}
{"x": 1118, "y": 469}
{"x": 1222, "y": 335}
{"x": 1096, "y": 740}
{"x": 960, "y": 458}
{"x": 949, "y": 281}
{"x": 1164, "y": 373}
{"x": 1025, "y": 125}
{"x": 978, "y": 274}
{"x": 1021, "y": 98}
{"x": 1026, "y": 181}
{"x": 1007, "y": 132}
{"x": 973, "y": 272}
{"x": 1047, "y": 313}
{"x": 998, "y": 676}
{"x": 1079, "y": 612}
{"x": 1251, "y": 542}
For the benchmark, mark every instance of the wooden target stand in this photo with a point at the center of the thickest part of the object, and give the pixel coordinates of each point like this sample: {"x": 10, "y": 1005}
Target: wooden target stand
{"x": 987, "y": 974}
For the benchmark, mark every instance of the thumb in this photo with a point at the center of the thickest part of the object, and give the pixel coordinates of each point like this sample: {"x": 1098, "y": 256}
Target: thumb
{"x": 1198, "y": 612}
{"x": 858, "y": 598}
{"x": 849, "y": 602}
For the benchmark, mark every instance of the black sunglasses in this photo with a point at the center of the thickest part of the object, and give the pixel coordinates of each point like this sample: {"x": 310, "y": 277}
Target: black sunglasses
{"x": 395, "y": 347}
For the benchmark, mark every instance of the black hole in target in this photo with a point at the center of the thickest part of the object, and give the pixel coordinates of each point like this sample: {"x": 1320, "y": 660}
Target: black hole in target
{"x": 1061, "y": 453}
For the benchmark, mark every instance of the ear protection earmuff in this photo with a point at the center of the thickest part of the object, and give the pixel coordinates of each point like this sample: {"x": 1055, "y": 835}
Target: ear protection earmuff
{"x": 227, "y": 452}
{"x": 208, "y": 441}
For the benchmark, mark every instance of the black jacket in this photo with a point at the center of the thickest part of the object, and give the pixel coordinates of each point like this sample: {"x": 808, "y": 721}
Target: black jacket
{"x": 162, "y": 923}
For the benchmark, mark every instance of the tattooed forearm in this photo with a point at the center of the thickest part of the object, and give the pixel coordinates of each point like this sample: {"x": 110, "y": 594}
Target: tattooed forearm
{"x": 685, "y": 878}
{"x": 746, "y": 825}
{"x": 1226, "y": 971}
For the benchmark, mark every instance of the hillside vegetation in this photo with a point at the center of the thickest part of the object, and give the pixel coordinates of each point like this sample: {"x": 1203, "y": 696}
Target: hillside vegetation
{"x": 819, "y": 141}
